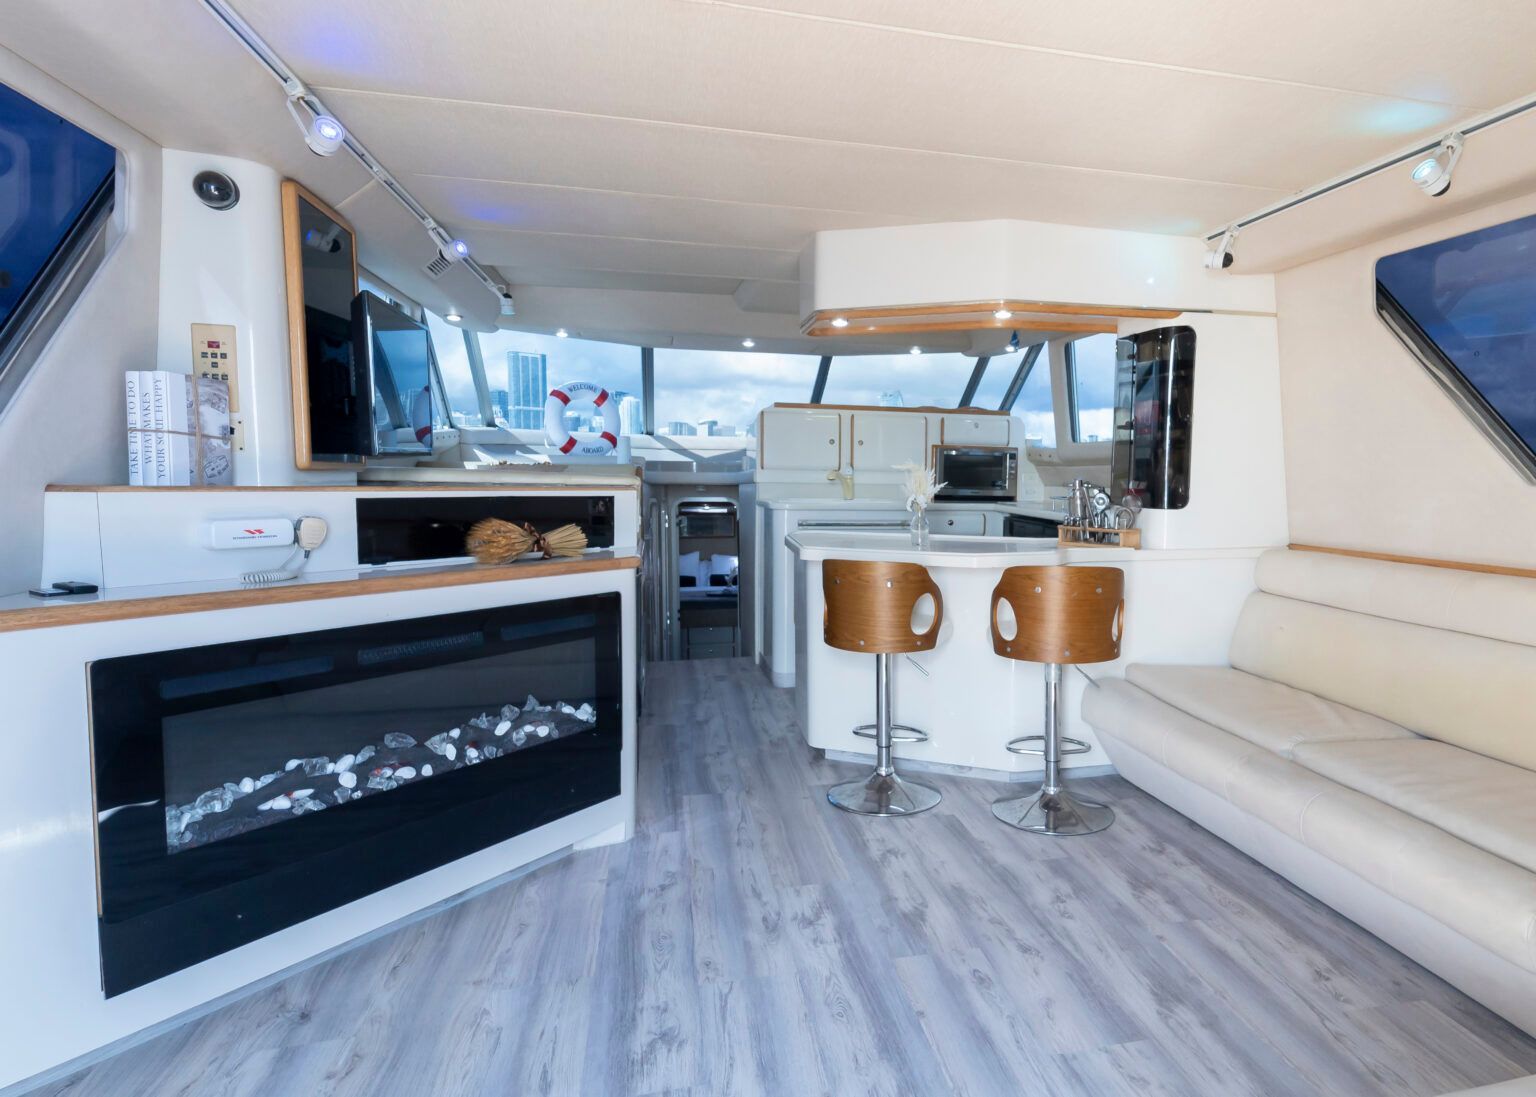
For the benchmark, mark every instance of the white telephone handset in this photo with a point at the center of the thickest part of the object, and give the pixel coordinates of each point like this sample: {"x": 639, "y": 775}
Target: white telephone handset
{"x": 308, "y": 535}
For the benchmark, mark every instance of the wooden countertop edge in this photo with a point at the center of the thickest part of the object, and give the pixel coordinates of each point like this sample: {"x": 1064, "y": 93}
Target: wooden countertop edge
{"x": 591, "y": 488}
{"x": 80, "y": 613}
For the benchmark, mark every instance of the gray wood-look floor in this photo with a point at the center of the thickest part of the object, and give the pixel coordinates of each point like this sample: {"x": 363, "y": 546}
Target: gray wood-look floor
{"x": 754, "y": 940}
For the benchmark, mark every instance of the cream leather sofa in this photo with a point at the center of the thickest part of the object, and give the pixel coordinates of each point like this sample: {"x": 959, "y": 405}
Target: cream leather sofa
{"x": 1374, "y": 741}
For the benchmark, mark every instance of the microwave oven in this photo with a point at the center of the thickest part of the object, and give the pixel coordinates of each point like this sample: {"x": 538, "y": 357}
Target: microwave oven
{"x": 976, "y": 472}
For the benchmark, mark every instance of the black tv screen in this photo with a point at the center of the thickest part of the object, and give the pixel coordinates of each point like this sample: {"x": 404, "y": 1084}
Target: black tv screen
{"x": 396, "y": 352}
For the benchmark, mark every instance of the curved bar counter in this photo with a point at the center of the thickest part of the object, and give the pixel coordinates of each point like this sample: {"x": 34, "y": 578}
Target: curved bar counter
{"x": 1181, "y": 606}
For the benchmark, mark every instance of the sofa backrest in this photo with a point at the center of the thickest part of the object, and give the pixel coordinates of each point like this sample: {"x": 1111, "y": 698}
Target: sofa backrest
{"x": 1449, "y": 654}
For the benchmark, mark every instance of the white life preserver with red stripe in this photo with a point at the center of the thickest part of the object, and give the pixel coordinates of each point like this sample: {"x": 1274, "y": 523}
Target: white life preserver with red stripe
{"x": 560, "y": 398}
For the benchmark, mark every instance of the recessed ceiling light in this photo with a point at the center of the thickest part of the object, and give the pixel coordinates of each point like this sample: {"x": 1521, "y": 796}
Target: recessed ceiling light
{"x": 1003, "y": 314}
{"x": 452, "y": 317}
{"x": 839, "y": 321}
{"x": 915, "y": 350}
{"x": 748, "y": 343}
{"x": 561, "y": 333}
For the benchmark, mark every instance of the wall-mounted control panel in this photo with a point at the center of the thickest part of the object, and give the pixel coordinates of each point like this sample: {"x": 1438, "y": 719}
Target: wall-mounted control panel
{"x": 214, "y": 357}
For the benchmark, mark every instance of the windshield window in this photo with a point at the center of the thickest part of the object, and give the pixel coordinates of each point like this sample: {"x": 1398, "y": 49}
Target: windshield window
{"x": 899, "y": 380}
{"x": 522, "y": 367}
{"x": 719, "y": 393}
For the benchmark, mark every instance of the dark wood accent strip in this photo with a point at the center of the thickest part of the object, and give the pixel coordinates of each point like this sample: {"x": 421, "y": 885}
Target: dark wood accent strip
{"x": 1422, "y": 561}
{"x": 57, "y": 615}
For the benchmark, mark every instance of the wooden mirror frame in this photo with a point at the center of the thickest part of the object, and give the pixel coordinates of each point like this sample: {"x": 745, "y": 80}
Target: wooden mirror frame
{"x": 298, "y": 340}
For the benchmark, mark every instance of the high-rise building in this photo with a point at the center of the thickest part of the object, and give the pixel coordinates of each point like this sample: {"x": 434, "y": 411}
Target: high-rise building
{"x": 892, "y": 399}
{"x": 630, "y": 414}
{"x": 709, "y": 427}
{"x": 678, "y": 428}
{"x": 501, "y": 404}
{"x": 528, "y": 388}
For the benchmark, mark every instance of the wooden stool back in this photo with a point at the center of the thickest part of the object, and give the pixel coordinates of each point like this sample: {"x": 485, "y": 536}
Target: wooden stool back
{"x": 1064, "y": 614}
{"x": 870, "y": 604}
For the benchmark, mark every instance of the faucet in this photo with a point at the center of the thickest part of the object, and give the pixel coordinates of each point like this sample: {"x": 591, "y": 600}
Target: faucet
{"x": 843, "y": 476}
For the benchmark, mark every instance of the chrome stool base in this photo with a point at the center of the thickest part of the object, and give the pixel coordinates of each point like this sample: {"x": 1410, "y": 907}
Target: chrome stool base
{"x": 883, "y": 794}
{"x": 1056, "y": 812}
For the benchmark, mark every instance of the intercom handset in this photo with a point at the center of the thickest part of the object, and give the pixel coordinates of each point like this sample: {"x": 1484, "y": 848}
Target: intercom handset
{"x": 307, "y": 534}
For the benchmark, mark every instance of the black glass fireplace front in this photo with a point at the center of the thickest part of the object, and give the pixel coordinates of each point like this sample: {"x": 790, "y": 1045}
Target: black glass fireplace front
{"x": 243, "y": 787}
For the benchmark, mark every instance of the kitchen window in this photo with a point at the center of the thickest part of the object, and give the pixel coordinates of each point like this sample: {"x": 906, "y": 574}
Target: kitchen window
{"x": 1091, "y": 388}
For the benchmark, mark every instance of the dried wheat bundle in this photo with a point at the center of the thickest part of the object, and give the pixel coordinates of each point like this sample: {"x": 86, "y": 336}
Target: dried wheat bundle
{"x": 494, "y": 541}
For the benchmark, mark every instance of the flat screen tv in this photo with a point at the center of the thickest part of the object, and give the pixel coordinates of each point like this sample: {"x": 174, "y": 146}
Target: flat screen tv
{"x": 396, "y": 353}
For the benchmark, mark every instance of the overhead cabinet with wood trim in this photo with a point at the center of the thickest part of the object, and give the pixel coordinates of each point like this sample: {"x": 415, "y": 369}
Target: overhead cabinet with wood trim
{"x": 798, "y": 438}
{"x": 883, "y": 439}
{"x": 974, "y": 430}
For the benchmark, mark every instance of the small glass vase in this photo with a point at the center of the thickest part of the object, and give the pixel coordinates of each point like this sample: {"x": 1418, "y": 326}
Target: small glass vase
{"x": 919, "y": 527}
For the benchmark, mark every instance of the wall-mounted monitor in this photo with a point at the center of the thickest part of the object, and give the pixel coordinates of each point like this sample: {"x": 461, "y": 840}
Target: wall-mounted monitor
{"x": 394, "y": 353}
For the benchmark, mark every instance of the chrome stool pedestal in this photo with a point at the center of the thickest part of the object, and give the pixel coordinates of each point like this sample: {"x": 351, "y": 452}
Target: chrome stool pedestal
{"x": 871, "y": 608}
{"x": 1060, "y": 615}
{"x": 1052, "y": 809}
{"x": 883, "y": 792}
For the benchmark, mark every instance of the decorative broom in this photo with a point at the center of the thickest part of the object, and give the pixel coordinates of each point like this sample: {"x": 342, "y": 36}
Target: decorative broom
{"x": 493, "y": 541}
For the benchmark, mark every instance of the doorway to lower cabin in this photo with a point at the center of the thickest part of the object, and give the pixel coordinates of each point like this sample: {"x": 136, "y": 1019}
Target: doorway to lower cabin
{"x": 706, "y": 624}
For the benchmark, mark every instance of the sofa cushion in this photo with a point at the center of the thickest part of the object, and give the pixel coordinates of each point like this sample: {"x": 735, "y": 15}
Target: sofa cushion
{"x": 1444, "y": 653}
{"x": 1486, "y": 898}
{"x": 1268, "y": 714}
{"x": 1488, "y": 803}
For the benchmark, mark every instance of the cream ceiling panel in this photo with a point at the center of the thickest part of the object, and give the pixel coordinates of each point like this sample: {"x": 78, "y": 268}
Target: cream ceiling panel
{"x": 540, "y": 147}
{"x": 619, "y": 280}
{"x": 1461, "y": 53}
{"x": 499, "y": 247}
{"x": 759, "y": 72}
{"x": 471, "y": 205}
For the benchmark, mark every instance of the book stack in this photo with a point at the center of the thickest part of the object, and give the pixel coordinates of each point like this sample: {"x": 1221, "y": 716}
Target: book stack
{"x": 178, "y": 430}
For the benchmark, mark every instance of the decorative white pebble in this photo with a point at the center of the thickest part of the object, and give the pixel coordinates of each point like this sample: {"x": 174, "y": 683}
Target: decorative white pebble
{"x": 405, "y": 773}
{"x": 345, "y": 762}
{"x": 247, "y": 785}
{"x": 426, "y": 770}
{"x": 292, "y": 764}
{"x": 347, "y": 779}
{"x": 503, "y": 727}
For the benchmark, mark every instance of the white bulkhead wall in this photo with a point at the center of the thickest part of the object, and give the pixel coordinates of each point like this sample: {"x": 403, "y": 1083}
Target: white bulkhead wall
{"x": 226, "y": 267}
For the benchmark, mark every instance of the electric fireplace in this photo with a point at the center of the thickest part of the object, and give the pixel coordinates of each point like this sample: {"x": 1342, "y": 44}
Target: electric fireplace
{"x": 243, "y": 787}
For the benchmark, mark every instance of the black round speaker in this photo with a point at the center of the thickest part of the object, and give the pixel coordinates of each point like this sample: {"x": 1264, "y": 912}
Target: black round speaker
{"x": 215, "y": 190}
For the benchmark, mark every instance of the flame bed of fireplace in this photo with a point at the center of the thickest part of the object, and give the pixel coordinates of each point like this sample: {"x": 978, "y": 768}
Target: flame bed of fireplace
{"x": 298, "y": 786}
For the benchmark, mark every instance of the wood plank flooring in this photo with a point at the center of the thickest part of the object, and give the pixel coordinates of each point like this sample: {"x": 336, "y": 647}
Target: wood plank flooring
{"x": 753, "y": 940}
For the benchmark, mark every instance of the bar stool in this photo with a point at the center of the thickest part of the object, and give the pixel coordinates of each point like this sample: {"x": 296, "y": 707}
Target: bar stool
{"x": 1060, "y": 615}
{"x": 870, "y": 609}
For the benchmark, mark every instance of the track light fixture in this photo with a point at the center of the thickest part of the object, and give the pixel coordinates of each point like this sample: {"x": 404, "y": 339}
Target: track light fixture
{"x": 1220, "y": 257}
{"x": 322, "y": 133}
{"x": 1433, "y": 173}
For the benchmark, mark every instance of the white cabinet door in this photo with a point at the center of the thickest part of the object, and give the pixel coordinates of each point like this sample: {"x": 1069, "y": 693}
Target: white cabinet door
{"x": 975, "y": 430}
{"x": 884, "y": 439}
{"x": 798, "y": 438}
{"x": 965, "y": 523}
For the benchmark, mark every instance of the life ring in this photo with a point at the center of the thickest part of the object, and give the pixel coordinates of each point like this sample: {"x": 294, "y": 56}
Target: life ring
{"x": 561, "y": 397}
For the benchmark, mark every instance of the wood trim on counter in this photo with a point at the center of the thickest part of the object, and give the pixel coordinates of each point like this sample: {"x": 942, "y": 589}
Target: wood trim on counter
{"x": 593, "y": 489}
{"x": 1422, "y": 561}
{"x": 56, "y": 615}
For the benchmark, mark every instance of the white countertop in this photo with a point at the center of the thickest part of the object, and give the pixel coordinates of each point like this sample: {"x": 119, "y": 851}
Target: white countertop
{"x": 979, "y": 552}
{"x": 1034, "y": 508}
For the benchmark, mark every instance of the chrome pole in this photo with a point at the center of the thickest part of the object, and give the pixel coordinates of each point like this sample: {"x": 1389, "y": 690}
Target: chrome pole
{"x": 1052, "y": 779}
{"x": 883, "y": 715}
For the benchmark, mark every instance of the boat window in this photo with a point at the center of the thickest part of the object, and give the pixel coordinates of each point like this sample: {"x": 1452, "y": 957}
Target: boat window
{"x": 1467, "y": 308}
{"x": 450, "y": 346}
{"x": 1091, "y": 387}
{"x": 57, "y": 186}
{"x": 994, "y": 380}
{"x": 898, "y": 380}
{"x": 1035, "y": 404}
{"x": 521, "y": 367}
{"x": 716, "y": 392}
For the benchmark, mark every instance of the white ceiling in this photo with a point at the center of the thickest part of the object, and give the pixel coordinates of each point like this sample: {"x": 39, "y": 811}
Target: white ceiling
{"x": 693, "y": 146}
